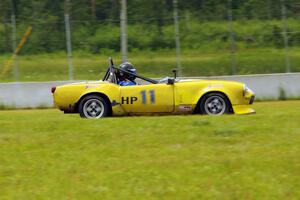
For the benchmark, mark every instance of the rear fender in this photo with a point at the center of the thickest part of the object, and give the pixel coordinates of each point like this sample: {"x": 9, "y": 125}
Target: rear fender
{"x": 110, "y": 92}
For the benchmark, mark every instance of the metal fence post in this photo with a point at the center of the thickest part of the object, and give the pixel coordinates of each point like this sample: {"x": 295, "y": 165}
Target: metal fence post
{"x": 285, "y": 37}
{"x": 177, "y": 37}
{"x": 69, "y": 47}
{"x": 68, "y": 39}
{"x": 123, "y": 27}
{"x": 232, "y": 40}
{"x": 14, "y": 41}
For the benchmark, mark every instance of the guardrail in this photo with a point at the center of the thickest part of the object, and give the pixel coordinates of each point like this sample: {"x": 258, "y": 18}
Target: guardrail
{"x": 27, "y": 95}
{"x": 269, "y": 86}
{"x": 37, "y": 94}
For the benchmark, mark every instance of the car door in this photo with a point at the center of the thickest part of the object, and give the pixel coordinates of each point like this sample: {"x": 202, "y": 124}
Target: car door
{"x": 153, "y": 98}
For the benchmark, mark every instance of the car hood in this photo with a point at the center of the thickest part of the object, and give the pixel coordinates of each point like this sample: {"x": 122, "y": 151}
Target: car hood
{"x": 209, "y": 81}
{"x": 88, "y": 83}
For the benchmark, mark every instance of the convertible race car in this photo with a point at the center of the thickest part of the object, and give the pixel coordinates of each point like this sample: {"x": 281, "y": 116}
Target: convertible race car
{"x": 168, "y": 96}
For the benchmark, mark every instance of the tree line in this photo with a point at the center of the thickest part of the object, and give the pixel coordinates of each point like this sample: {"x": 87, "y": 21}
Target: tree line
{"x": 144, "y": 9}
{"x": 97, "y": 21}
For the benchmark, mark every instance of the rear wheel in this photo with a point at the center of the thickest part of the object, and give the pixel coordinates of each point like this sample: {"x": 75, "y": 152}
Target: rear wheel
{"x": 214, "y": 104}
{"x": 93, "y": 106}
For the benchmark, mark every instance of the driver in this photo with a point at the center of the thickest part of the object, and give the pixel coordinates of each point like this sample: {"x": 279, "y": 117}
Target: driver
{"x": 127, "y": 79}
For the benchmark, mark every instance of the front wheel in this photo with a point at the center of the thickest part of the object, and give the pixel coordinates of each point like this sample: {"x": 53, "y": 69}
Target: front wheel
{"x": 214, "y": 104}
{"x": 93, "y": 106}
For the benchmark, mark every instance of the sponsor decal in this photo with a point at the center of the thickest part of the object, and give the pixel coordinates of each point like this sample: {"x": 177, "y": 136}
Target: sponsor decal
{"x": 90, "y": 86}
{"x": 185, "y": 108}
{"x": 216, "y": 86}
{"x": 128, "y": 100}
{"x": 114, "y": 103}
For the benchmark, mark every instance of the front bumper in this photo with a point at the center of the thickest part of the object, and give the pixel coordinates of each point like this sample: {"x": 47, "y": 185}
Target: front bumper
{"x": 243, "y": 109}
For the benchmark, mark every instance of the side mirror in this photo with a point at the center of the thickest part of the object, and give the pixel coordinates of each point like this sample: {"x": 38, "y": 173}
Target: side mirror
{"x": 171, "y": 81}
{"x": 175, "y": 72}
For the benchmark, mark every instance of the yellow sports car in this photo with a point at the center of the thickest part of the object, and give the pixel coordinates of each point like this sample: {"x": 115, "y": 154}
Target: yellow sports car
{"x": 168, "y": 96}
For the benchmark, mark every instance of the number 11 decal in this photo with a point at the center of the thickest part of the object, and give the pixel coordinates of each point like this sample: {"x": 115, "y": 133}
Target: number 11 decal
{"x": 144, "y": 96}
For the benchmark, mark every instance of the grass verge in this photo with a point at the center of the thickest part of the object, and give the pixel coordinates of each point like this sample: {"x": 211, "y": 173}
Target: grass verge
{"x": 46, "y": 67}
{"x": 45, "y": 154}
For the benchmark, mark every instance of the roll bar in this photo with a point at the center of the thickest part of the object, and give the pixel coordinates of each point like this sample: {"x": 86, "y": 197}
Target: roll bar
{"x": 112, "y": 69}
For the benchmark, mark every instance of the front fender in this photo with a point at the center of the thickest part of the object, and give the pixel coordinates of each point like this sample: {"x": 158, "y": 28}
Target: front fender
{"x": 191, "y": 92}
{"x": 234, "y": 92}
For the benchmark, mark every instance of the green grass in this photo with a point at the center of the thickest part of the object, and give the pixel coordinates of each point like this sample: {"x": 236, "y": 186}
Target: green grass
{"x": 45, "y": 154}
{"x": 48, "y": 67}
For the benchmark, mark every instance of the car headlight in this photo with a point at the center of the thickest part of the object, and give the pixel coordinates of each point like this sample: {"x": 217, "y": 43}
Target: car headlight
{"x": 246, "y": 90}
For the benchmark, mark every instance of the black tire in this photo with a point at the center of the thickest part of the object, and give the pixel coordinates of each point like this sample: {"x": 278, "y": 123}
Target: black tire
{"x": 215, "y": 104}
{"x": 94, "y": 107}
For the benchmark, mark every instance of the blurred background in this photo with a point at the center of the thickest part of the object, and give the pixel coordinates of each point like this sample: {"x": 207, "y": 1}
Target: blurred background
{"x": 72, "y": 39}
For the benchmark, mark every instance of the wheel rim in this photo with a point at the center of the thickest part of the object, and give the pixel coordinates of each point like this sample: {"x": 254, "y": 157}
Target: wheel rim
{"x": 93, "y": 108}
{"x": 215, "y": 105}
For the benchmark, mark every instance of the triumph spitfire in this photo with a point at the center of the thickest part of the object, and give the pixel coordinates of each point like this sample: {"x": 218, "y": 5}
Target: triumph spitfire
{"x": 168, "y": 96}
